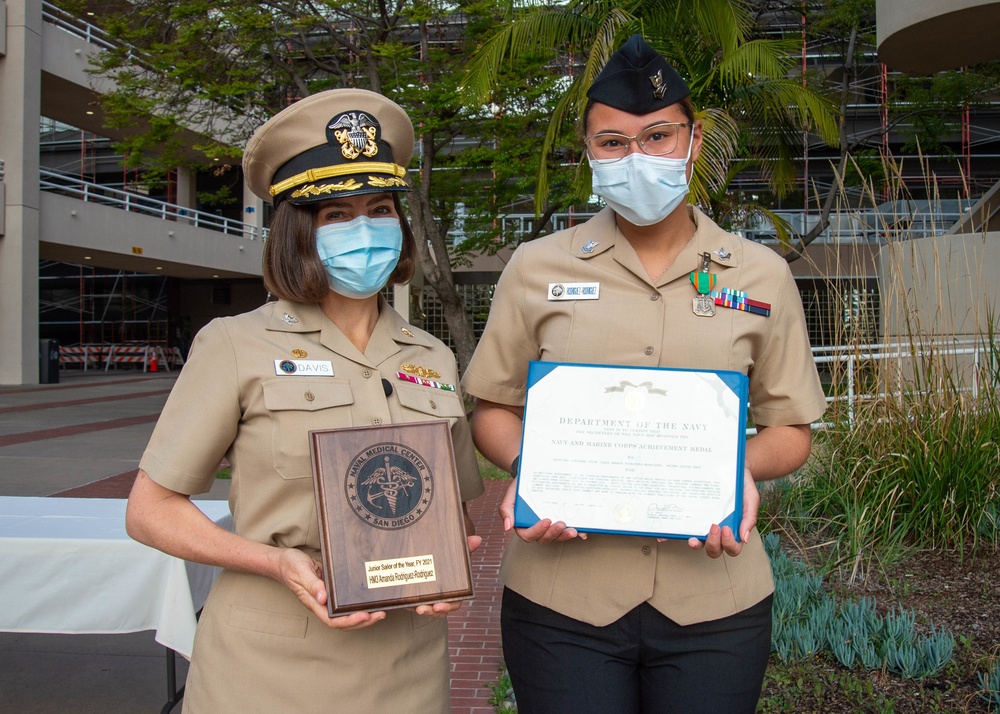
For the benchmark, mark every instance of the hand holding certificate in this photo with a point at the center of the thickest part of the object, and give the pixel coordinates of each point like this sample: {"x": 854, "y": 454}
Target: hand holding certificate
{"x": 631, "y": 450}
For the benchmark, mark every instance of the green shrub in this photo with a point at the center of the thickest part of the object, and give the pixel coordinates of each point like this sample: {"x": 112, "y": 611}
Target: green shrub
{"x": 909, "y": 470}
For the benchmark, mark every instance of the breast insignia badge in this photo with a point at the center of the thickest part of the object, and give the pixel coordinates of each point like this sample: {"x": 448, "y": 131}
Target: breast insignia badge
{"x": 299, "y": 354}
{"x": 423, "y": 376}
{"x": 419, "y": 371}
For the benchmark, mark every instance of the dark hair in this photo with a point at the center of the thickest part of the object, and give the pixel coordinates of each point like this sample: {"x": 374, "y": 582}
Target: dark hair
{"x": 686, "y": 105}
{"x": 291, "y": 265}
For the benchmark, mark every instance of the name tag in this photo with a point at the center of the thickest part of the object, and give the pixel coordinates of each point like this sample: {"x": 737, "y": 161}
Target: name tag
{"x": 303, "y": 368}
{"x": 574, "y": 291}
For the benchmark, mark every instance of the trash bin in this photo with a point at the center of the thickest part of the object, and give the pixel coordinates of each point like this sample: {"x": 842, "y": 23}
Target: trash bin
{"x": 48, "y": 366}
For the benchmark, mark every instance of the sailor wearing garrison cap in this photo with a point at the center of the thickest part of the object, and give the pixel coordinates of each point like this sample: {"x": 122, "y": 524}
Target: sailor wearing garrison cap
{"x": 637, "y": 79}
{"x": 329, "y": 353}
{"x": 662, "y": 617}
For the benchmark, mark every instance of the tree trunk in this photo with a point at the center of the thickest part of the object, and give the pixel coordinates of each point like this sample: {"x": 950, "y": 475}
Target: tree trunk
{"x": 795, "y": 251}
{"x": 432, "y": 248}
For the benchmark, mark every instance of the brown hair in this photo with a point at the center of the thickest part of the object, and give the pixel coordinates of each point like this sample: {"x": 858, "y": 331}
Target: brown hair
{"x": 686, "y": 105}
{"x": 291, "y": 265}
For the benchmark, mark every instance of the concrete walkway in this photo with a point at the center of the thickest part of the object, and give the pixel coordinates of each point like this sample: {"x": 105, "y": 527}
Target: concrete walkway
{"x": 83, "y": 438}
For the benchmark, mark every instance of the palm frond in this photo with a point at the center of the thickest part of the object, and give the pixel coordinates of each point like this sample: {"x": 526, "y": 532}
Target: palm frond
{"x": 527, "y": 33}
{"x": 720, "y": 139}
{"x": 758, "y": 58}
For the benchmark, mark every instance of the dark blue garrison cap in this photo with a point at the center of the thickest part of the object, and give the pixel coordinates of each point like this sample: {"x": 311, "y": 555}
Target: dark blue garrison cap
{"x": 638, "y": 80}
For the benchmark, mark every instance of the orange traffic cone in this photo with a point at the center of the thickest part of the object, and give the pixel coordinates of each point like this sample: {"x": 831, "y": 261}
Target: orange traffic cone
{"x": 153, "y": 366}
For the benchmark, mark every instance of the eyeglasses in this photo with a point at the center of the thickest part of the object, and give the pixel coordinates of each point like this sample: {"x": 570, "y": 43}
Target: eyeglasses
{"x": 657, "y": 140}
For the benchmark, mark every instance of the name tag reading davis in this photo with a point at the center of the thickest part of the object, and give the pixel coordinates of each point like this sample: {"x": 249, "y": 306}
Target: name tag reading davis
{"x": 303, "y": 368}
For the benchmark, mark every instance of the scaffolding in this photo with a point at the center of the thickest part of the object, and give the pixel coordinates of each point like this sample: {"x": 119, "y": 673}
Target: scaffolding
{"x": 86, "y": 305}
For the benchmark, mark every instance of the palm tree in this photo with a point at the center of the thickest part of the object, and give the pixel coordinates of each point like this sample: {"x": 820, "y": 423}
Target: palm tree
{"x": 757, "y": 110}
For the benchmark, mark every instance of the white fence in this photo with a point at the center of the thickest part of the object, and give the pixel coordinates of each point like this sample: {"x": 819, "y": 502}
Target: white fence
{"x": 853, "y": 362}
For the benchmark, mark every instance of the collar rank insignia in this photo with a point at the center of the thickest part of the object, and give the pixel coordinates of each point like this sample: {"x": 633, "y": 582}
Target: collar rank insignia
{"x": 288, "y": 319}
{"x": 406, "y": 332}
{"x": 589, "y": 246}
{"x": 723, "y": 254}
{"x": 659, "y": 86}
{"x": 356, "y": 132}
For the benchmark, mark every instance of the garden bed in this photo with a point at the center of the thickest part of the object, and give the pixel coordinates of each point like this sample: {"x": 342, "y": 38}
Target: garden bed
{"x": 940, "y": 589}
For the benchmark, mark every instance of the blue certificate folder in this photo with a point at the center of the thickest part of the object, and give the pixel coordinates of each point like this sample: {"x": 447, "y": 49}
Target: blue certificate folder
{"x": 628, "y": 450}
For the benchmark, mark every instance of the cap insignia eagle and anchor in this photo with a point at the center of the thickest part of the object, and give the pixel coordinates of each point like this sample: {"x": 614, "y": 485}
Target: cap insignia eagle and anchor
{"x": 356, "y": 132}
{"x": 357, "y": 135}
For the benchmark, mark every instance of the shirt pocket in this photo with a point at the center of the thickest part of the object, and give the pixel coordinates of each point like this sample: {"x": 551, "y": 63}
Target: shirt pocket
{"x": 296, "y": 406}
{"x": 424, "y": 403}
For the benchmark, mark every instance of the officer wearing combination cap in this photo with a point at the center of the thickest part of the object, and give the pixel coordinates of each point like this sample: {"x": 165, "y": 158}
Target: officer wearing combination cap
{"x": 330, "y": 352}
{"x": 615, "y": 623}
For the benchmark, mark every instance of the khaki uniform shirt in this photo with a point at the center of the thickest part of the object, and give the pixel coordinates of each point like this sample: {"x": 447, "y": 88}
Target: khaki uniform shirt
{"x": 229, "y": 402}
{"x": 646, "y": 323}
{"x": 232, "y": 401}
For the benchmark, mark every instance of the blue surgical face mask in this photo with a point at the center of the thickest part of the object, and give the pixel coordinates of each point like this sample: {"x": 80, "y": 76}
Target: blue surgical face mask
{"x": 642, "y": 189}
{"x": 360, "y": 255}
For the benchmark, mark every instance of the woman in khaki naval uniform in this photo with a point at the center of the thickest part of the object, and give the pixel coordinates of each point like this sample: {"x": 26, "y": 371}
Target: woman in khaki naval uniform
{"x": 611, "y": 623}
{"x": 334, "y": 164}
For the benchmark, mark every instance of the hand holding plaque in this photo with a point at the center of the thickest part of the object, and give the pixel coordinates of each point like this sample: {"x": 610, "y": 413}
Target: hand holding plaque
{"x": 391, "y": 523}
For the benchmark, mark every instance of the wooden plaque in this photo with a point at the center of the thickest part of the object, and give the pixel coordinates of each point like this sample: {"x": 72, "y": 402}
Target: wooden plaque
{"x": 390, "y": 516}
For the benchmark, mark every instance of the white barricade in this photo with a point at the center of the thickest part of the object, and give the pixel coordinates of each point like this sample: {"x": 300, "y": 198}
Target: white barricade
{"x": 174, "y": 357}
{"x": 87, "y": 355}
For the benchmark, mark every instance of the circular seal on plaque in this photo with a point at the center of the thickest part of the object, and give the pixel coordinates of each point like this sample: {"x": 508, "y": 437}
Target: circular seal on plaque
{"x": 389, "y": 486}
{"x": 287, "y": 366}
{"x": 557, "y": 290}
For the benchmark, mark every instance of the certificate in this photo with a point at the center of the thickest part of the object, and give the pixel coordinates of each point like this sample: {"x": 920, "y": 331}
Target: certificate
{"x": 632, "y": 450}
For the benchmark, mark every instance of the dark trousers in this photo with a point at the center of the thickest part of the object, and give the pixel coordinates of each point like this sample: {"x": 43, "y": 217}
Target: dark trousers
{"x": 642, "y": 663}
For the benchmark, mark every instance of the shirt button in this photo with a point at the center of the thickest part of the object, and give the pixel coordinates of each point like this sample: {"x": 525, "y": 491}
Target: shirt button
{"x": 654, "y": 297}
{"x": 310, "y": 396}
{"x": 367, "y": 374}
{"x": 434, "y": 404}
{"x": 376, "y": 422}
{"x": 649, "y": 350}
{"x": 646, "y": 550}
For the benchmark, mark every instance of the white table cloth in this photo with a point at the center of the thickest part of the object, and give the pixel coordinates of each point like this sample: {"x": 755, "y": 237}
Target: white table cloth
{"x": 68, "y": 567}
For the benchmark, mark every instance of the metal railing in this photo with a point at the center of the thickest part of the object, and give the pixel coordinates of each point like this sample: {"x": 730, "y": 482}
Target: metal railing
{"x": 863, "y": 225}
{"x": 77, "y": 27}
{"x": 855, "y": 367}
{"x": 859, "y": 226}
{"x": 66, "y": 185}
